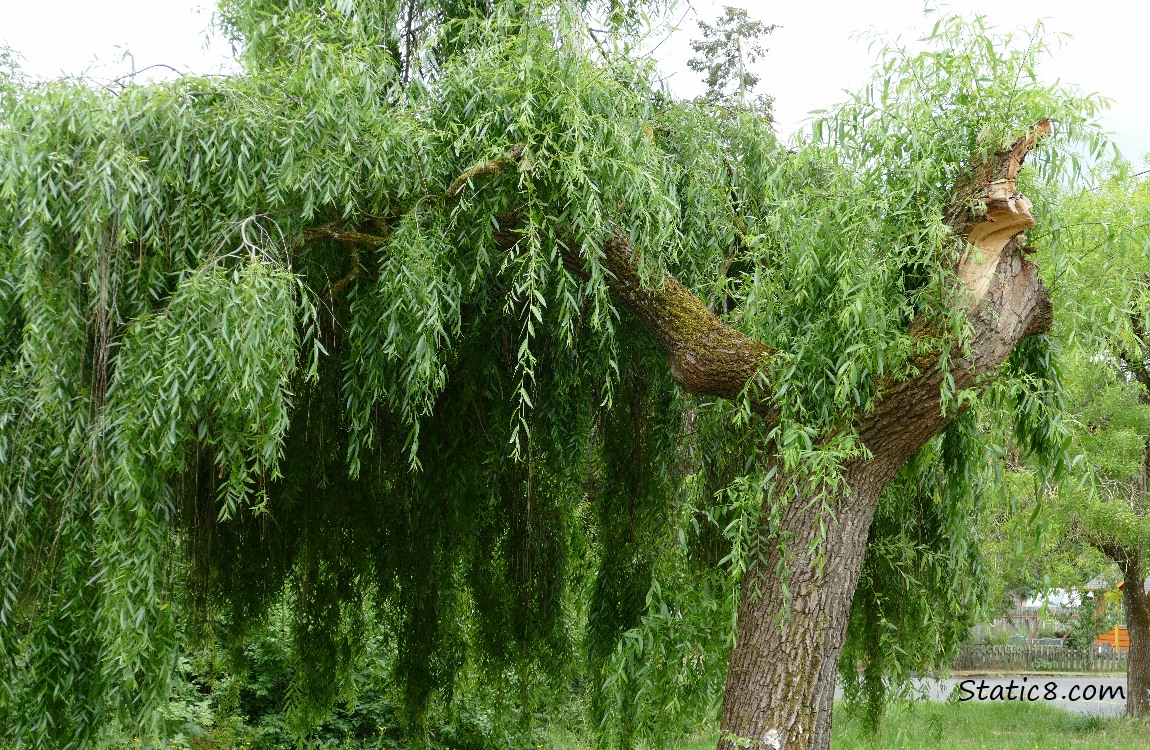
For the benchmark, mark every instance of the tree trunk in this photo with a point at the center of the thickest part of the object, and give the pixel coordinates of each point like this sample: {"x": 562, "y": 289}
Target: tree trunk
{"x": 1133, "y": 593}
{"x": 781, "y": 678}
{"x": 1138, "y": 626}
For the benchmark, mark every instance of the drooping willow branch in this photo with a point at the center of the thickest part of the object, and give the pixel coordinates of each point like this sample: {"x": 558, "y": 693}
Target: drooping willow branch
{"x": 707, "y": 357}
{"x": 353, "y": 239}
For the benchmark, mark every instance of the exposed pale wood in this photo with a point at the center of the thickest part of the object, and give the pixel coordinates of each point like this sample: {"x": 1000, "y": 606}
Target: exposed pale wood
{"x": 1006, "y": 213}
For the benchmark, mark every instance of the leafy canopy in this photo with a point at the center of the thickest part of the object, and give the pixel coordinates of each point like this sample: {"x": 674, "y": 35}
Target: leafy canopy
{"x": 1098, "y": 257}
{"x": 253, "y": 350}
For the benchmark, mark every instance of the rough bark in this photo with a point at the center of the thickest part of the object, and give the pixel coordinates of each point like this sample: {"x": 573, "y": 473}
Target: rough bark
{"x": 706, "y": 356}
{"x": 780, "y": 682}
{"x": 1134, "y": 593}
{"x": 1138, "y": 626}
{"x": 1137, "y": 608}
{"x": 1134, "y": 599}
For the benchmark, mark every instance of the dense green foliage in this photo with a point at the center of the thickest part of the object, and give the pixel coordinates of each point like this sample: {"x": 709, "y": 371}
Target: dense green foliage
{"x": 1101, "y": 258}
{"x": 214, "y": 401}
{"x": 1092, "y": 618}
{"x": 1095, "y": 259}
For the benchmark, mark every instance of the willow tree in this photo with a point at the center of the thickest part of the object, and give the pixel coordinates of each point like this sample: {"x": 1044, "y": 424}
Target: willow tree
{"x": 385, "y": 318}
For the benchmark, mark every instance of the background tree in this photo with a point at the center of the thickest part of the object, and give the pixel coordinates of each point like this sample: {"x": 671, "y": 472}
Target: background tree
{"x": 726, "y": 52}
{"x": 1094, "y": 615}
{"x": 1099, "y": 256}
{"x": 431, "y": 347}
{"x": 1030, "y": 551}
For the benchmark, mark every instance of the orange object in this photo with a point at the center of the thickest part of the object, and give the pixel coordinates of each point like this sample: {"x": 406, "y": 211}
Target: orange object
{"x": 1118, "y": 639}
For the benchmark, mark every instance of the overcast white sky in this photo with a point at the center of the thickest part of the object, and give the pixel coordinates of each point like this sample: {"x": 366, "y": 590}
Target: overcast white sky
{"x": 811, "y": 59}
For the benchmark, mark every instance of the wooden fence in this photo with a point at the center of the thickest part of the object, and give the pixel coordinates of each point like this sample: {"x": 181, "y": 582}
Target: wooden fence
{"x": 976, "y": 657}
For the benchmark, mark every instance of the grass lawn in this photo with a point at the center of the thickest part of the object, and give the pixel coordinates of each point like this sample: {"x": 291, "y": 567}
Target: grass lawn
{"x": 986, "y": 726}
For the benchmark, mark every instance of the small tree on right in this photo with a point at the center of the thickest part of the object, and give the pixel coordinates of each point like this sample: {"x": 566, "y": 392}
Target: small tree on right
{"x": 1094, "y": 615}
{"x": 1103, "y": 263}
{"x": 726, "y": 51}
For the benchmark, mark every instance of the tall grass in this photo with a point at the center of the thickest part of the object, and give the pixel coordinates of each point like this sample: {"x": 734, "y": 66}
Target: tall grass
{"x": 985, "y": 726}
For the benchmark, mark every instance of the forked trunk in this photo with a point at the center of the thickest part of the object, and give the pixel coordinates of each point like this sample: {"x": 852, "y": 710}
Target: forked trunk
{"x": 781, "y": 677}
{"x": 1138, "y": 626}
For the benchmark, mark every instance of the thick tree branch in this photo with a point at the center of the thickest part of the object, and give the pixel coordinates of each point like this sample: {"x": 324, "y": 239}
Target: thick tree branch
{"x": 709, "y": 358}
{"x": 352, "y": 239}
{"x": 706, "y": 356}
{"x": 347, "y": 236}
{"x": 345, "y": 281}
{"x": 1112, "y": 549}
{"x": 1015, "y": 306}
{"x": 493, "y": 166}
